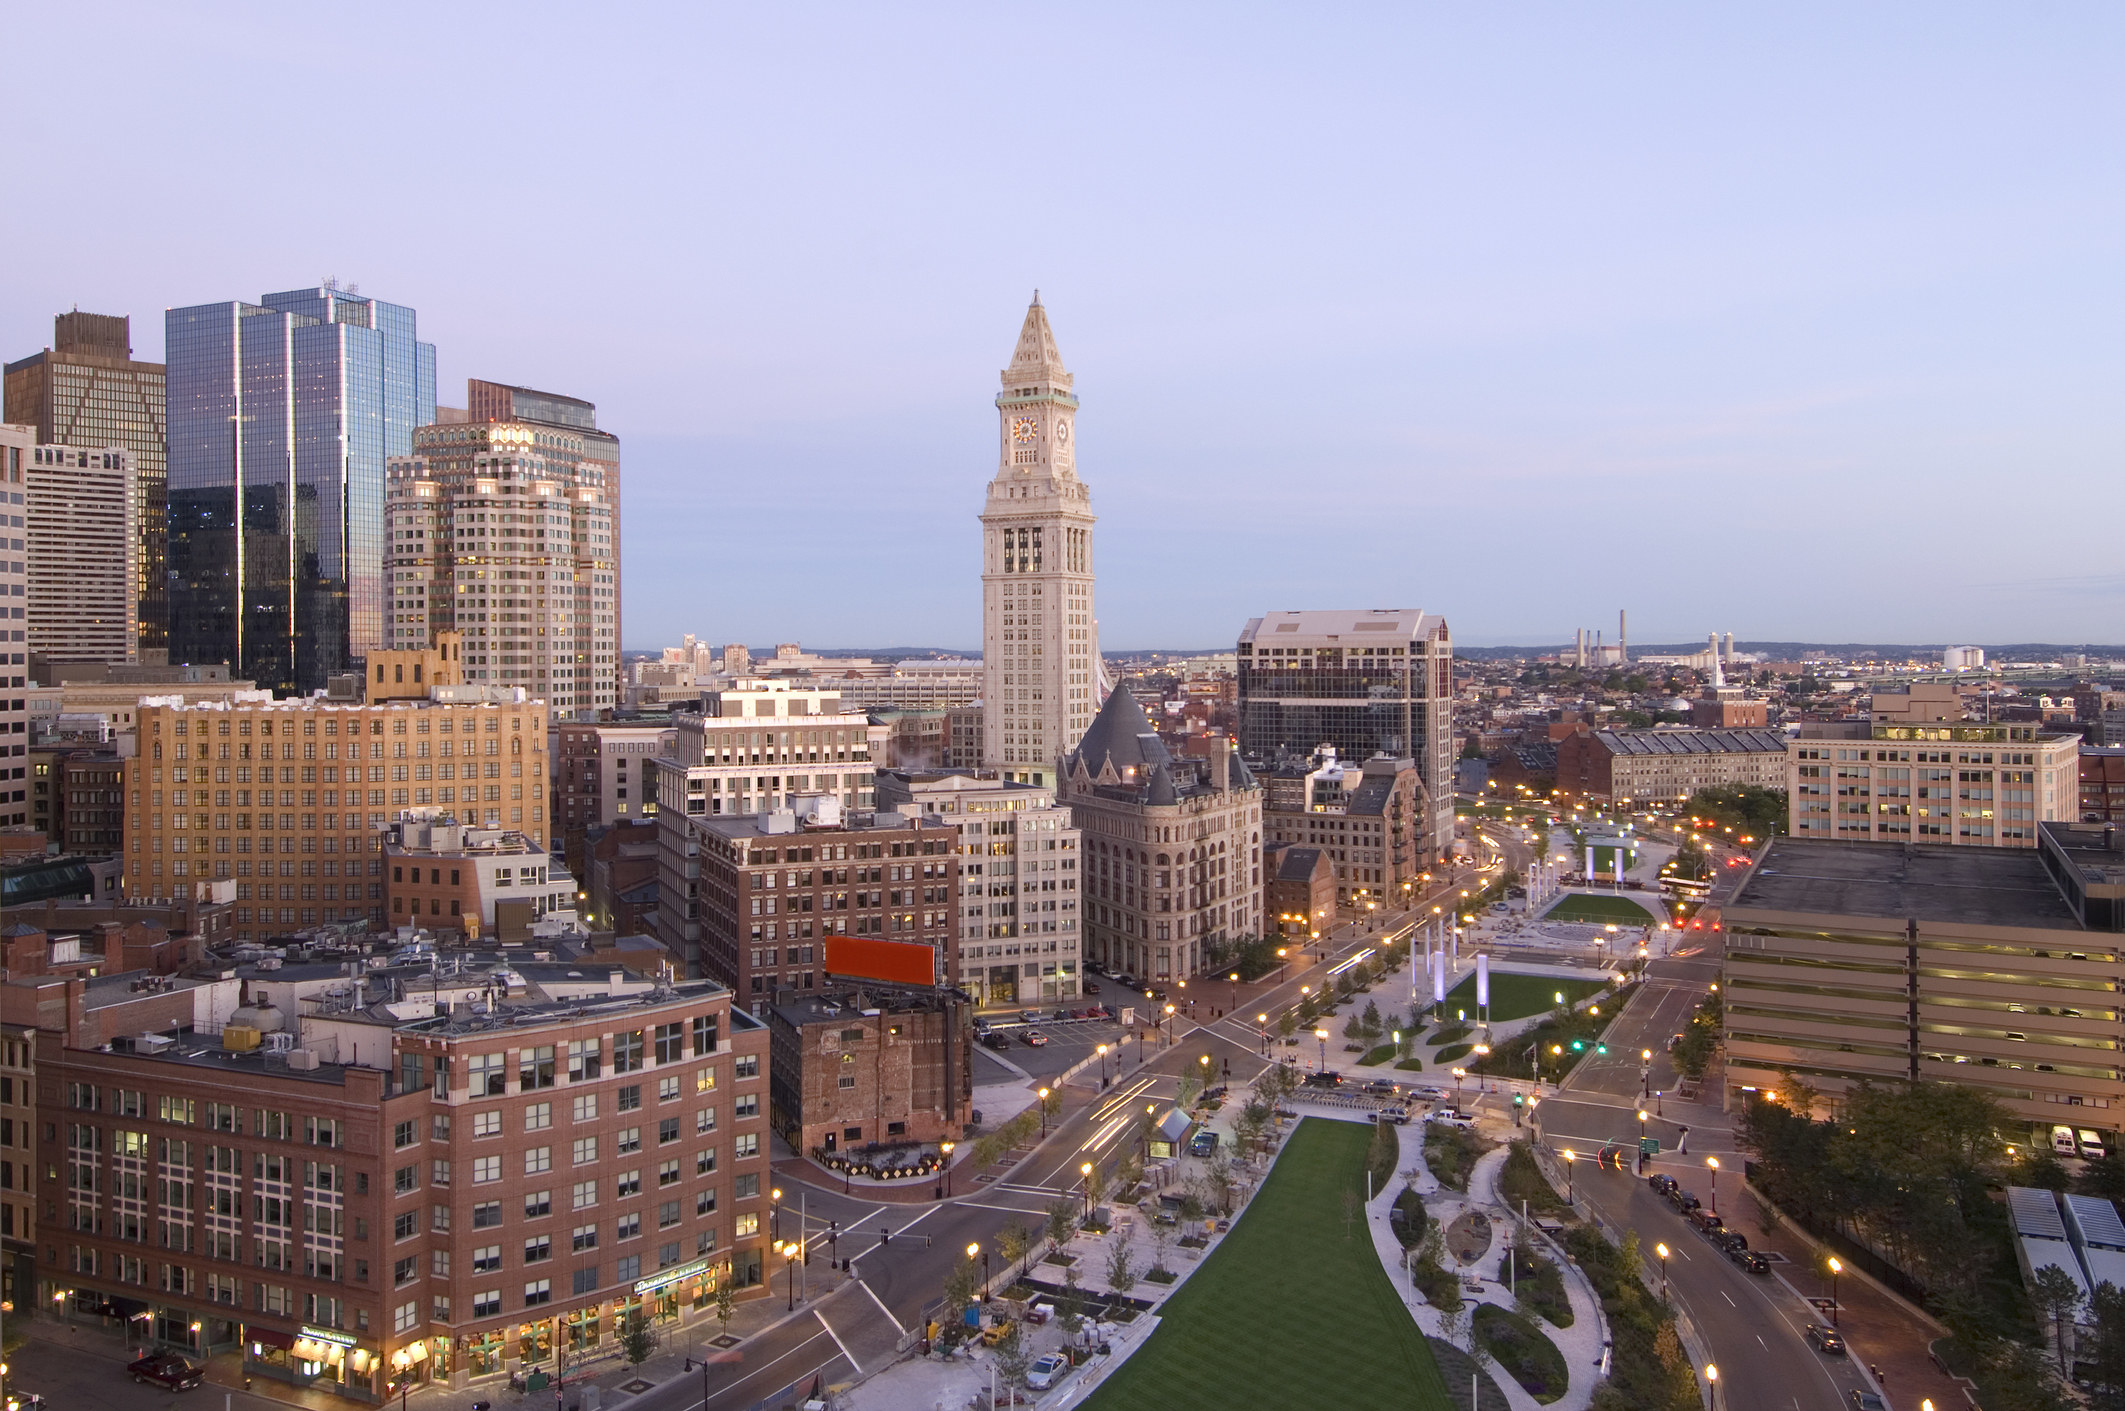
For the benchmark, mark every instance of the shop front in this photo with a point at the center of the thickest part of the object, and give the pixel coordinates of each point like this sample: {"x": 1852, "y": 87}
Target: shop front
{"x": 324, "y": 1358}
{"x": 416, "y": 1364}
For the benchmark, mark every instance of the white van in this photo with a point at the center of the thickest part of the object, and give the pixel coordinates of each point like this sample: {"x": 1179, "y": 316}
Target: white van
{"x": 2062, "y": 1141}
{"x": 2091, "y": 1144}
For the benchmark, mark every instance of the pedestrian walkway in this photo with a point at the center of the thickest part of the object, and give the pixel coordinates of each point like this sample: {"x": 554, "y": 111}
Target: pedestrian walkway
{"x": 1482, "y": 1278}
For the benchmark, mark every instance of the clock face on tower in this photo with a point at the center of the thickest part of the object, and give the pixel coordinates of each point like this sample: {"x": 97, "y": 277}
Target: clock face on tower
{"x": 1024, "y": 429}
{"x": 1062, "y": 433}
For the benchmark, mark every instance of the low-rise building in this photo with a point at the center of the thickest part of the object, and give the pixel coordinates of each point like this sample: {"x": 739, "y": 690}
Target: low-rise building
{"x": 450, "y": 877}
{"x": 1299, "y": 893}
{"x": 1960, "y": 785}
{"x": 1665, "y": 767}
{"x": 767, "y": 895}
{"x": 623, "y": 879}
{"x": 603, "y": 776}
{"x": 855, "y": 1068}
{"x": 2102, "y": 775}
{"x": 1995, "y": 968}
{"x": 1368, "y": 819}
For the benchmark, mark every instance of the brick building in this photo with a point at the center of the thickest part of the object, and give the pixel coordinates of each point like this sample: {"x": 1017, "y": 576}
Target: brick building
{"x": 2102, "y": 778}
{"x": 623, "y": 879}
{"x": 1368, "y": 820}
{"x": 469, "y": 881}
{"x": 1298, "y": 891}
{"x": 1667, "y": 766}
{"x": 870, "y": 1066}
{"x": 602, "y": 778}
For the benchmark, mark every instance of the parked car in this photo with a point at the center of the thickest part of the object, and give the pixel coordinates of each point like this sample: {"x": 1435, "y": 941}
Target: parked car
{"x": 1731, "y": 1240}
{"x": 1205, "y": 1144}
{"x": 1661, "y": 1184}
{"x": 1429, "y": 1094}
{"x": 1683, "y": 1201}
{"x": 982, "y": 1026}
{"x": 1825, "y": 1339}
{"x": 1325, "y": 1079}
{"x": 2091, "y": 1144}
{"x": 1154, "y": 994}
{"x": 1036, "y": 1039}
{"x": 1749, "y": 1259}
{"x": 1090, "y": 988}
{"x": 1866, "y": 1401}
{"x": 1030, "y": 1016}
{"x": 1380, "y": 1087}
{"x": 1393, "y": 1112}
{"x": 1042, "y": 1374}
{"x": 167, "y": 1370}
{"x": 2062, "y": 1142}
{"x": 1706, "y": 1222}
{"x": 1451, "y": 1117}
{"x": 997, "y": 1041}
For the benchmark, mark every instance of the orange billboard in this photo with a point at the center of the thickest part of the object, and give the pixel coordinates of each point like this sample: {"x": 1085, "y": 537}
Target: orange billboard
{"x": 867, "y": 958}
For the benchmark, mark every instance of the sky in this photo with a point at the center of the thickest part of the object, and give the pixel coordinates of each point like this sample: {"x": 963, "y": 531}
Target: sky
{"x": 1801, "y": 322}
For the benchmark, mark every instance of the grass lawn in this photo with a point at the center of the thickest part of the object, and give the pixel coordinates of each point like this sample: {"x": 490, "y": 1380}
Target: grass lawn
{"x": 1600, "y": 909}
{"x": 1226, "y": 1341}
{"x": 1517, "y": 996}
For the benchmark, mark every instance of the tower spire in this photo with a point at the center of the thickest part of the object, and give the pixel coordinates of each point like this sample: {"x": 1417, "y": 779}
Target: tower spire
{"x": 1036, "y": 358}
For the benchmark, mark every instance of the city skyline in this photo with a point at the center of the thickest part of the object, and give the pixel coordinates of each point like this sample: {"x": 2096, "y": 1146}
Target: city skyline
{"x": 1607, "y": 289}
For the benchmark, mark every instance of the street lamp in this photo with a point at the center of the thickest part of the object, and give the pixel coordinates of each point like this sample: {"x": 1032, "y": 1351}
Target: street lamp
{"x": 789, "y": 1255}
{"x": 972, "y": 1250}
{"x": 1642, "y": 1115}
{"x": 1459, "y": 1074}
{"x": 1086, "y": 1171}
{"x": 1711, "y": 1379}
{"x": 1322, "y": 1035}
{"x": 947, "y": 1148}
{"x": 1044, "y": 1114}
{"x": 1645, "y": 1072}
{"x": 1235, "y": 978}
{"x": 1835, "y": 1269}
{"x": 1570, "y": 1159}
{"x": 1662, "y": 1251}
{"x": 1263, "y": 1021}
{"x": 1713, "y": 1162}
{"x": 774, "y": 1215}
{"x": 1102, "y": 1065}
{"x": 1169, "y": 1020}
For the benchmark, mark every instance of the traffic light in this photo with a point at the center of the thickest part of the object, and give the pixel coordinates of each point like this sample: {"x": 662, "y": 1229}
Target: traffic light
{"x": 1601, "y": 1048}
{"x": 1519, "y": 1099}
{"x": 1578, "y": 1045}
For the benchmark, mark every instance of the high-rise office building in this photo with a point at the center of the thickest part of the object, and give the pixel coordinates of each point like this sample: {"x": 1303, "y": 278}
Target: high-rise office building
{"x": 17, "y": 446}
{"x": 1371, "y": 682}
{"x": 507, "y": 531}
{"x": 87, "y": 391}
{"x": 84, "y": 543}
{"x": 1040, "y": 645}
{"x": 282, "y": 414}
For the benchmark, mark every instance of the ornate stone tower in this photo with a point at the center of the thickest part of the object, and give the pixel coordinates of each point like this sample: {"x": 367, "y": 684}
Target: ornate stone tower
{"x": 1040, "y": 648}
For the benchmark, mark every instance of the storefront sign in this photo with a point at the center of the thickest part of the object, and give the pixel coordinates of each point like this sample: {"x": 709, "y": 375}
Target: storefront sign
{"x": 327, "y": 1335}
{"x": 673, "y": 1276}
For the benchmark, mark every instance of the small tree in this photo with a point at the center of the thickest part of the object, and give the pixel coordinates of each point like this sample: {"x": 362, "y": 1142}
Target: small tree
{"x": 1012, "y": 1243}
{"x": 1354, "y": 1029}
{"x": 1129, "y": 1174}
{"x": 1070, "y": 1308}
{"x": 1121, "y": 1275}
{"x": 1095, "y": 1188}
{"x": 1011, "y": 1358}
{"x": 1218, "y": 1180}
{"x": 1062, "y": 1214}
{"x": 1287, "y": 1023}
{"x": 637, "y": 1340}
{"x": 1051, "y": 1105}
{"x": 2057, "y": 1296}
{"x": 1161, "y": 1239}
{"x": 1186, "y": 1089}
{"x": 726, "y": 1298}
{"x": 1372, "y": 1025}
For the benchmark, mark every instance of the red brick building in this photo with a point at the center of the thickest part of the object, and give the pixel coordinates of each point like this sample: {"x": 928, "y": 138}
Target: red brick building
{"x": 1299, "y": 896}
{"x": 2102, "y": 785}
{"x": 870, "y": 1066}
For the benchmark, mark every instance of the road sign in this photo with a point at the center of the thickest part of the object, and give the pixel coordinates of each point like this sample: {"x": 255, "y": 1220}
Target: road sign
{"x": 1649, "y": 1146}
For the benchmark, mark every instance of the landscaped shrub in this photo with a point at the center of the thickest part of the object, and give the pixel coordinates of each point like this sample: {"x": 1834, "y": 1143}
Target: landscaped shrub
{"x": 1453, "y": 1053}
{"x": 1413, "y": 1218}
{"x": 1521, "y": 1351}
{"x": 1384, "y": 1157}
{"x": 1539, "y": 1286}
{"x": 1648, "y": 1371}
{"x": 1522, "y": 1180}
{"x": 1451, "y": 1153}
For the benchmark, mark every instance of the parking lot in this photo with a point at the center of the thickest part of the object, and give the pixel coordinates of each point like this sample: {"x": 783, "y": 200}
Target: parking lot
{"x": 1070, "y": 1041}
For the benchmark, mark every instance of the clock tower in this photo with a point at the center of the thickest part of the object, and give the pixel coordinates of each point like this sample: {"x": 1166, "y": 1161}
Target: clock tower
{"x": 1039, "y": 643}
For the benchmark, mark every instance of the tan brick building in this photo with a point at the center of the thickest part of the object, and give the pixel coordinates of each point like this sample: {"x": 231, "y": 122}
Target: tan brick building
{"x": 197, "y": 805}
{"x": 1667, "y": 766}
{"x": 870, "y": 1066}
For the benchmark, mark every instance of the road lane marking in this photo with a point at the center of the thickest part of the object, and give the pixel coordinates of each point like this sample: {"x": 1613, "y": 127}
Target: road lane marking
{"x": 889, "y": 1312}
{"x": 842, "y": 1345}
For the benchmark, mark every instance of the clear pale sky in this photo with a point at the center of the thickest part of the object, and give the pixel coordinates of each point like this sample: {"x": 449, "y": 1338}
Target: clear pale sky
{"x": 1800, "y": 323}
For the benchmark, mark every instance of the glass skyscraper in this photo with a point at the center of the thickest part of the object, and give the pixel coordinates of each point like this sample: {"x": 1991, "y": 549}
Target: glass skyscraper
{"x": 281, "y": 415}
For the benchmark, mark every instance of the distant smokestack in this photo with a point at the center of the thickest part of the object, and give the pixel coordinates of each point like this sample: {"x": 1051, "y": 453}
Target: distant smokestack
{"x": 1719, "y": 677}
{"x": 1623, "y": 636}
{"x": 1730, "y": 646}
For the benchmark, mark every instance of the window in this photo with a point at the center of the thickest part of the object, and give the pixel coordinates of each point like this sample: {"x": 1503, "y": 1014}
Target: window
{"x": 627, "y": 1227}
{"x": 746, "y": 1145}
{"x": 631, "y": 1097}
{"x": 439, "y": 1263}
{"x": 747, "y": 1066}
{"x": 487, "y": 1124}
{"x": 627, "y": 1053}
{"x": 746, "y": 1226}
{"x": 439, "y": 1172}
{"x": 584, "y": 1108}
{"x": 583, "y": 1195}
{"x": 704, "y": 1080}
{"x": 704, "y": 1161}
{"x": 439, "y": 1127}
{"x": 628, "y": 1269}
{"x": 439, "y": 1218}
{"x": 586, "y": 1280}
{"x": 667, "y": 1215}
{"x": 746, "y": 1106}
{"x": 538, "y": 1204}
{"x": 538, "y": 1117}
{"x": 538, "y": 1160}
{"x": 704, "y": 1036}
{"x": 629, "y": 1183}
{"x": 402, "y": 1134}
{"x": 406, "y": 1178}
{"x": 405, "y": 1271}
{"x": 705, "y": 1120}
{"x": 405, "y": 1317}
{"x": 486, "y": 1259}
{"x": 539, "y": 1249}
{"x": 535, "y": 1068}
{"x": 538, "y": 1291}
{"x": 487, "y": 1304}
{"x": 670, "y": 1041}
{"x": 486, "y": 1074}
{"x": 487, "y": 1216}
{"x": 583, "y": 1150}
{"x": 668, "y": 1172}
{"x": 485, "y": 1169}
{"x": 583, "y": 1060}
{"x": 630, "y": 1141}
{"x": 583, "y": 1237}
{"x": 667, "y": 1131}
{"x": 705, "y": 1202}
{"x": 746, "y": 1187}
{"x": 406, "y": 1226}
{"x": 668, "y": 1089}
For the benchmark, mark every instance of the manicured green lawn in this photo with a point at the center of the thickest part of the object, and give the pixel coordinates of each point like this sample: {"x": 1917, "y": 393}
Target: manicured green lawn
{"x": 1296, "y": 1278}
{"x": 1621, "y": 910}
{"x": 1517, "y": 996}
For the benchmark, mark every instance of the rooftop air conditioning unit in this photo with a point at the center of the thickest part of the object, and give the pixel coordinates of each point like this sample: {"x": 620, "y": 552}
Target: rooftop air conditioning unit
{"x": 279, "y": 1041}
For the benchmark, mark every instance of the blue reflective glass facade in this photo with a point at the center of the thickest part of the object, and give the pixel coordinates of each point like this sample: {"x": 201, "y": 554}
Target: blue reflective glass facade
{"x": 282, "y": 415}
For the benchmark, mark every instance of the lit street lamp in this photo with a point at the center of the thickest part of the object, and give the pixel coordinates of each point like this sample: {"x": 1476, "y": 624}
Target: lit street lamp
{"x": 1835, "y": 1269}
{"x": 1086, "y": 1171}
{"x": 946, "y": 1149}
{"x": 1642, "y": 1115}
{"x": 972, "y": 1250}
{"x": 1044, "y": 1114}
{"x": 789, "y": 1255}
{"x": 1711, "y": 1379}
{"x": 1263, "y": 1021}
{"x": 1570, "y": 1160}
{"x": 1235, "y": 978}
{"x": 1662, "y": 1251}
{"x": 774, "y": 1215}
{"x": 1322, "y": 1035}
{"x": 1713, "y": 1162}
{"x": 1102, "y": 1065}
{"x": 1459, "y": 1074}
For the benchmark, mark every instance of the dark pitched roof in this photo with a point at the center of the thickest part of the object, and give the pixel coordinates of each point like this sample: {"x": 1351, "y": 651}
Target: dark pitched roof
{"x": 1297, "y": 864}
{"x": 1120, "y": 734}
